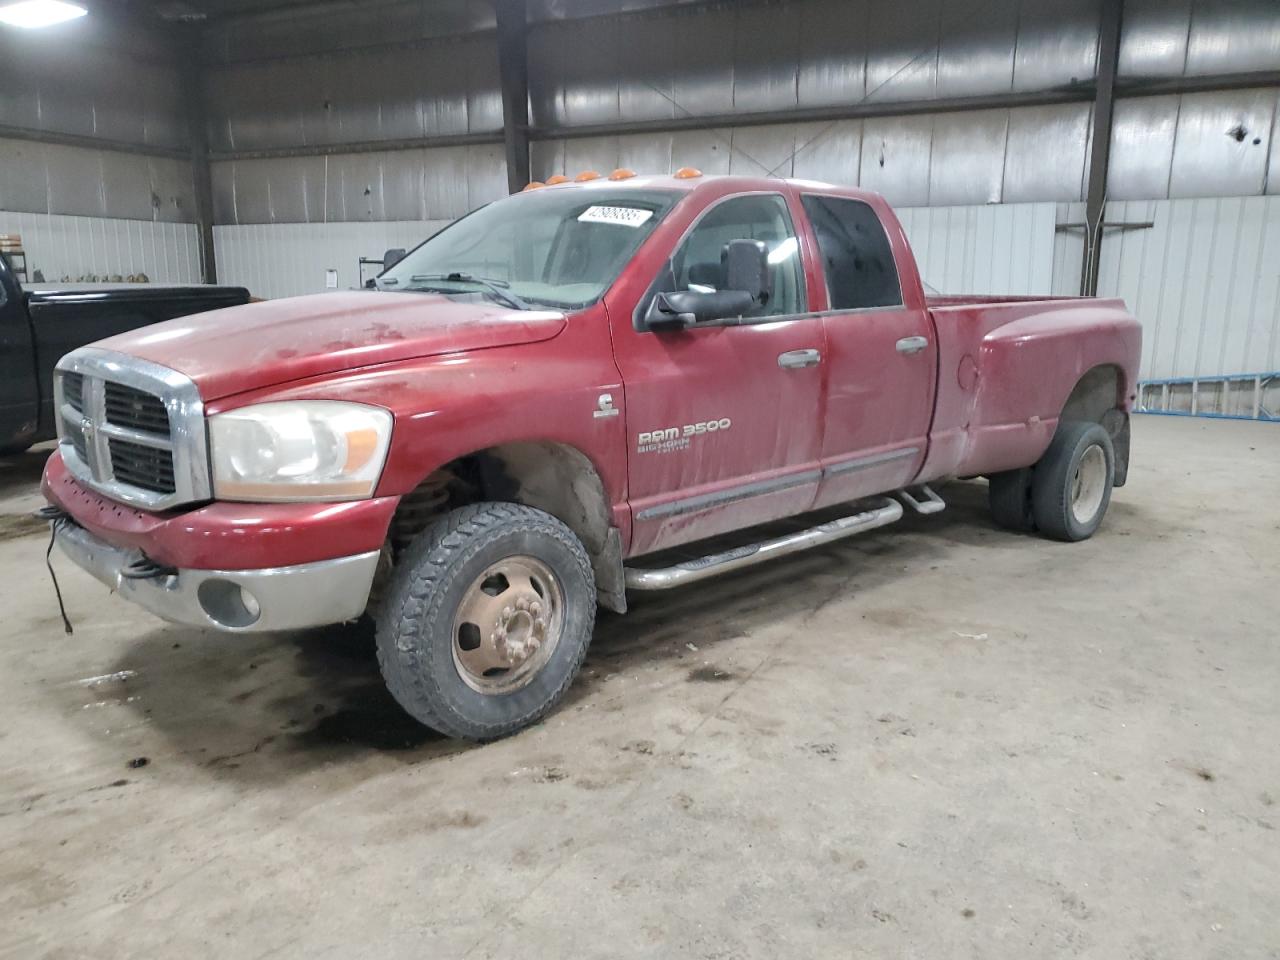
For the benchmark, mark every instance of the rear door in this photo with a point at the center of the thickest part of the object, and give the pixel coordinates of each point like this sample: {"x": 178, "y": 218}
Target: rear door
{"x": 881, "y": 356}
{"x": 723, "y": 419}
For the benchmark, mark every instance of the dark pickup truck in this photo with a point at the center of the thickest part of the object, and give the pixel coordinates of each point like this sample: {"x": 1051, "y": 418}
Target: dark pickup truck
{"x": 37, "y": 327}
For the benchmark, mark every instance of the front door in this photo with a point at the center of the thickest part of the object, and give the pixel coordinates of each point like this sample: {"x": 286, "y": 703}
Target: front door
{"x": 881, "y": 355}
{"x": 723, "y": 419}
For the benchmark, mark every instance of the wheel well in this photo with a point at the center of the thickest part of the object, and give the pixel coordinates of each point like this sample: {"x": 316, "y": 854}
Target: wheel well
{"x": 1098, "y": 396}
{"x": 549, "y": 476}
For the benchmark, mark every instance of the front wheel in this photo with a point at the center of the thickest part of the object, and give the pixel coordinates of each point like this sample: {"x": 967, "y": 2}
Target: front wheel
{"x": 487, "y": 621}
{"x": 1071, "y": 485}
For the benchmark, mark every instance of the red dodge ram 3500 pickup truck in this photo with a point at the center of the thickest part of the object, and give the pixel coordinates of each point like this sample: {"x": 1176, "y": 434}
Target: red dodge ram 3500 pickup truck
{"x": 561, "y": 382}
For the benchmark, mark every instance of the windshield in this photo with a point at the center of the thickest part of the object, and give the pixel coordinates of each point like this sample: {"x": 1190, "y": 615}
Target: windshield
{"x": 546, "y": 248}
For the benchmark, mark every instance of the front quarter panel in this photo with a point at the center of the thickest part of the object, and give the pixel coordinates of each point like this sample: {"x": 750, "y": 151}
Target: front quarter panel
{"x": 448, "y": 406}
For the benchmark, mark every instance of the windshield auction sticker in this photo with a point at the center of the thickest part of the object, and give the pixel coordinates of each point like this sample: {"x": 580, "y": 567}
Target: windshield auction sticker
{"x": 622, "y": 216}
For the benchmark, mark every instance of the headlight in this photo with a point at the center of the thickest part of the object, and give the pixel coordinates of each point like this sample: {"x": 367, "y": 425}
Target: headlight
{"x": 299, "y": 450}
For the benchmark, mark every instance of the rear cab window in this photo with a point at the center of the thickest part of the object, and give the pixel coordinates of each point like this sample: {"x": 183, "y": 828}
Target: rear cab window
{"x": 858, "y": 260}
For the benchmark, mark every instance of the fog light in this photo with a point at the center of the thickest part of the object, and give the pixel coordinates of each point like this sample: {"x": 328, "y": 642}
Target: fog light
{"x": 229, "y": 604}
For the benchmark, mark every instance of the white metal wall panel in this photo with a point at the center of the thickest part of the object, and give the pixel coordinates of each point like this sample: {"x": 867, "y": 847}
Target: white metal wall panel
{"x": 291, "y": 259}
{"x": 63, "y": 248}
{"x": 989, "y": 248}
{"x": 1068, "y": 251}
{"x": 1204, "y": 281}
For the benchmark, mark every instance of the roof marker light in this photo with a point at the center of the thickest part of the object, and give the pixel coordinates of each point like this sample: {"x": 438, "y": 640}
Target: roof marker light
{"x": 586, "y": 175}
{"x": 622, "y": 173}
{"x": 556, "y": 178}
{"x": 533, "y": 186}
{"x": 687, "y": 173}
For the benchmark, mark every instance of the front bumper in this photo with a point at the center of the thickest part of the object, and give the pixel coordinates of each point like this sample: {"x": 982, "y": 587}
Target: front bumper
{"x": 240, "y": 601}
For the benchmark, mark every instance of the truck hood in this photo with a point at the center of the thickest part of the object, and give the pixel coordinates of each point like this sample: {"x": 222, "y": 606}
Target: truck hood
{"x": 281, "y": 341}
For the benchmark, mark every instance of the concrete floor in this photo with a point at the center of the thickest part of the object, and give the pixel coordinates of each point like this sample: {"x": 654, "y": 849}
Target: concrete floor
{"x": 939, "y": 740}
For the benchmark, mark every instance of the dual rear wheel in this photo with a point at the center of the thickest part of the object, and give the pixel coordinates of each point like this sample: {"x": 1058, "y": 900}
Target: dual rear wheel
{"x": 1066, "y": 494}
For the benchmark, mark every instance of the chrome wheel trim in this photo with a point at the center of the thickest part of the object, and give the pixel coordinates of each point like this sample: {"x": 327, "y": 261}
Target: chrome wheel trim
{"x": 508, "y": 625}
{"x": 1089, "y": 485}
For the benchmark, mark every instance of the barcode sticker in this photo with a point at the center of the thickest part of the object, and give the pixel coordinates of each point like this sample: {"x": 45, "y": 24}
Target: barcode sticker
{"x": 622, "y": 216}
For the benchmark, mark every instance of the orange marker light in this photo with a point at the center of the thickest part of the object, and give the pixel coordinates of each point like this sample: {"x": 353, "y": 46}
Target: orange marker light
{"x": 687, "y": 173}
{"x": 622, "y": 173}
{"x": 557, "y": 178}
{"x": 586, "y": 175}
{"x": 533, "y": 186}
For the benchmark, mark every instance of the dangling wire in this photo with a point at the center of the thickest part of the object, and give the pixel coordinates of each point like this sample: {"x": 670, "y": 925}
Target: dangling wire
{"x": 48, "y": 562}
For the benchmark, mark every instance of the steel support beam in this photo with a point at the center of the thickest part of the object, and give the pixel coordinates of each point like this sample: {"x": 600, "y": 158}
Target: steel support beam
{"x": 1076, "y": 93}
{"x": 1207, "y": 83}
{"x": 1104, "y": 106}
{"x": 513, "y": 67}
{"x": 28, "y": 135}
{"x": 192, "y": 80}
{"x": 362, "y": 146}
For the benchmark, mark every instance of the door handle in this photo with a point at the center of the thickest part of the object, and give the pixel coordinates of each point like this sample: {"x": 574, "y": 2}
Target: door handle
{"x": 799, "y": 359}
{"x": 911, "y": 345}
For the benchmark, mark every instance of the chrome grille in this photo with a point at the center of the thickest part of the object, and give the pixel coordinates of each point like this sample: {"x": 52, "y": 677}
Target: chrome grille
{"x": 140, "y": 466}
{"x": 131, "y": 429}
{"x": 136, "y": 409}
{"x": 73, "y": 390}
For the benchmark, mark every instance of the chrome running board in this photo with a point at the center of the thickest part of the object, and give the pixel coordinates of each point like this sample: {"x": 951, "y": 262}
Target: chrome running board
{"x": 885, "y": 511}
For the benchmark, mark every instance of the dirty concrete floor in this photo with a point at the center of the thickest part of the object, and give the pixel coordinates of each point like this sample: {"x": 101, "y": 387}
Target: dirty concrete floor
{"x": 939, "y": 740}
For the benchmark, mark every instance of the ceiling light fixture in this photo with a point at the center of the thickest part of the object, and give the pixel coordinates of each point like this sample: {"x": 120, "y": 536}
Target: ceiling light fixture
{"x": 40, "y": 13}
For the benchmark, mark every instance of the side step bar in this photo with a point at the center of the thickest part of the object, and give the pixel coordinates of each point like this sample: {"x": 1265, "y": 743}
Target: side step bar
{"x": 882, "y": 513}
{"x": 932, "y": 503}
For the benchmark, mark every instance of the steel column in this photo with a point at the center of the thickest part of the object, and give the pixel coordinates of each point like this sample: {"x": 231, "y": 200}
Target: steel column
{"x": 192, "y": 80}
{"x": 513, "y": 65}
{"x": 1104, "y": 105}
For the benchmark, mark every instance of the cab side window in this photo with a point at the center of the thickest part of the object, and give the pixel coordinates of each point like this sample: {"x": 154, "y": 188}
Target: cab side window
{"x": 696, "y": 264}
{"x": 859, "y": 262}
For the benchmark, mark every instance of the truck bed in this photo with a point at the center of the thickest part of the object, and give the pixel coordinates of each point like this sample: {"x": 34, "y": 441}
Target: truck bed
{"x": 1008, "y": 365}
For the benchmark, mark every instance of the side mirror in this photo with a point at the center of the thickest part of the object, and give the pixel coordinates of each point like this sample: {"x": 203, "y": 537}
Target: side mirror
{"x": 392, "y": 257}
{"x": 675, "y": 311}
{"x": 745, "y": 282}
{"x": 745, "y": 264}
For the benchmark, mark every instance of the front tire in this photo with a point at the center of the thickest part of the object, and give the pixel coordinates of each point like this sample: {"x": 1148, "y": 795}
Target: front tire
{"x": 1071, "y": 485}
{"x": 487, "y": 621}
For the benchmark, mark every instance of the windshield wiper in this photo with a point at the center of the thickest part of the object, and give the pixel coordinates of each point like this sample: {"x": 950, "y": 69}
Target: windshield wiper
{"x": 493, "y": 286}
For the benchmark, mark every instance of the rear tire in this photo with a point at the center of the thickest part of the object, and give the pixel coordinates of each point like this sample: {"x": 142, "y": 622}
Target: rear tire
{"x": 487, "y": 621}
{"x": 1009, "y": 496}
{"x": 1071, "y": 485}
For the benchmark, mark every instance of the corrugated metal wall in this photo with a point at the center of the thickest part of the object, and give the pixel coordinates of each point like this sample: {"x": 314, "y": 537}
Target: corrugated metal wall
{"x": 1204, "y": 281}
{"x": 289, "y": 260}
{"x": 85, "y": 211}
{"x": 998, "y": 249}
{"x": 380, "y": 77}
{"x": 76, "y": 248}
{"x": 436, "y": 184}
{"x": 90, "y": 78}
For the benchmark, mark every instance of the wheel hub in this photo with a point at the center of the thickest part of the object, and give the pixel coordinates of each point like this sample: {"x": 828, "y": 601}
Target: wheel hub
{"x": 1089, "y": 484}
{"x": 507, "y": 625}
{"x": 521, "y": 630}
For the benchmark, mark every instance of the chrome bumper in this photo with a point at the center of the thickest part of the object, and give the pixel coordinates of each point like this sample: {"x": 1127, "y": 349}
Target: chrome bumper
{"x": 239, "y": 601}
